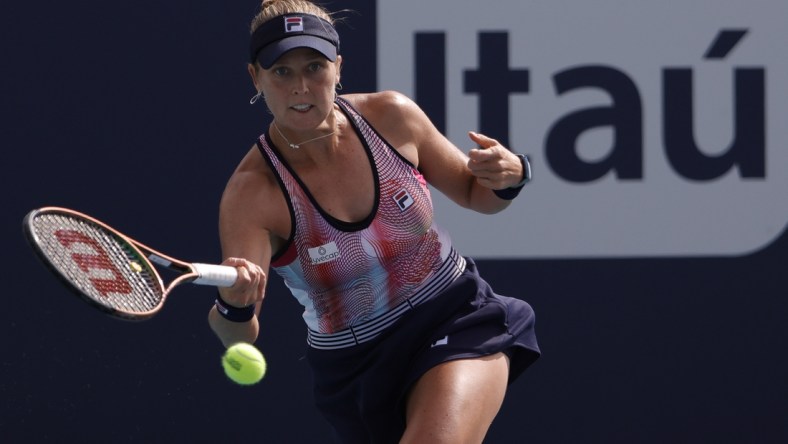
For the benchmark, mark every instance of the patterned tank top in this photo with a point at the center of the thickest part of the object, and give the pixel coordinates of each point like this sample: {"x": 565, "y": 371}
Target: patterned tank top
{"x": 356, "y": 279}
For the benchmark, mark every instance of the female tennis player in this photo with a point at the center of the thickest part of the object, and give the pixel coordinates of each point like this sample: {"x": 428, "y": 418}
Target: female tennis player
{"x": 406, "y": 341}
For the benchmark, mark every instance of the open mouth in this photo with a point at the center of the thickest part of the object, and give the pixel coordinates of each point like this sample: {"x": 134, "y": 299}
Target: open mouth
{"x": 302, "y": 107}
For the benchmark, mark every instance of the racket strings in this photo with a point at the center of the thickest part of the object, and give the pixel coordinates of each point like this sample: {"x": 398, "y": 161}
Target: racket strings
{"x": 102, "y": 265}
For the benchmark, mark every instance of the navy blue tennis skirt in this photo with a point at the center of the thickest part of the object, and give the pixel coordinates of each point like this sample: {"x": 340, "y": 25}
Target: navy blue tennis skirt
{"x": 361, "y": 390}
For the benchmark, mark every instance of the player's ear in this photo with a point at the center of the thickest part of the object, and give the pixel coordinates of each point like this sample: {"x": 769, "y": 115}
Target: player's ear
{"x": 252, "y": 70}
{"x": 338, "y": 64}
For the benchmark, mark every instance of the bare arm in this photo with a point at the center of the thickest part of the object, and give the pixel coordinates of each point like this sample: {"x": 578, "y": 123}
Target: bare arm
{"x": 246, "y": 245}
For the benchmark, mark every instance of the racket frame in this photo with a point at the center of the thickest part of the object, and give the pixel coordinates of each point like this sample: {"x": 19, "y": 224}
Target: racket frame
{"x": 203, "y": 274}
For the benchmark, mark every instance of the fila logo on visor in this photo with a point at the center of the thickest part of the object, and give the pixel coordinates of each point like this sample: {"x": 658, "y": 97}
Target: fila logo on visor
{"x": 294, "y": 24}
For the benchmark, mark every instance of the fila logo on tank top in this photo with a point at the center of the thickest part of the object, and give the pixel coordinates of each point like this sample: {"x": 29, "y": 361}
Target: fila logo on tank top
{"x": 354, "y": 278}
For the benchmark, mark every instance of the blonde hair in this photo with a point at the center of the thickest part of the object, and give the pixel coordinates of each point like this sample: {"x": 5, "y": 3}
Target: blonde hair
{"x": 273, "y": 8}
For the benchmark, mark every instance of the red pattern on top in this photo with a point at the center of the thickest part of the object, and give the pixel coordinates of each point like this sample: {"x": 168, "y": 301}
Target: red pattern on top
{"x": 379, "y": 262}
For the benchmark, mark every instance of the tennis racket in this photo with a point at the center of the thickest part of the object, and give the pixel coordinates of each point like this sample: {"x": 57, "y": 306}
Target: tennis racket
{"x": 107, "y": 269}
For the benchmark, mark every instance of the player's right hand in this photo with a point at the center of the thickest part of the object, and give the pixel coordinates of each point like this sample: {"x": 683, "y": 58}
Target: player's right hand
{"x": 249, "y": 288}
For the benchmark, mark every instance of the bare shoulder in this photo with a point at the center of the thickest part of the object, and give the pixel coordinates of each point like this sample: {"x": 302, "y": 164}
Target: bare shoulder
{"x": 247, "y": 181}
{"x": 252, "y": 198}
{"x": 380, "y": 106}
{"x": 397, "y": 118}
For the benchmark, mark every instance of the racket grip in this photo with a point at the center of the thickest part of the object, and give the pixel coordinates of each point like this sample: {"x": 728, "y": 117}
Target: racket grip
{"x": 215, "y": 275}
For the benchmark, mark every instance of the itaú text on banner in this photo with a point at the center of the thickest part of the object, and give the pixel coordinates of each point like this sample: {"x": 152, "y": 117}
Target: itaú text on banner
{"x": 655, "y": 129}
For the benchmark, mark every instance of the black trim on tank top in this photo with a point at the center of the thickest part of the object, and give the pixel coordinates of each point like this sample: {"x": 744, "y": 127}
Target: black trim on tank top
{"x": 290, "y": 208}
{"x": 334, "y": 222}
{"x": 348, "y": 109}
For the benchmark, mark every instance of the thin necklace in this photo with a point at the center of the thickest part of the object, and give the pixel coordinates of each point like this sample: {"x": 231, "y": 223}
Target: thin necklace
{"x": 296, "y": 146}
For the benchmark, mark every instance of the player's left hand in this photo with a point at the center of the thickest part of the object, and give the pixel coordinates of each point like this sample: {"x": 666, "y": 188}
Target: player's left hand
{"x": 493, "y": 164}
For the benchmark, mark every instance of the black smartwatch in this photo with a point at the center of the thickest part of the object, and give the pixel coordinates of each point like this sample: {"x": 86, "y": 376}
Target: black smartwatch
{"x": 526, "y": 171}
{"x": 512, "y": 192}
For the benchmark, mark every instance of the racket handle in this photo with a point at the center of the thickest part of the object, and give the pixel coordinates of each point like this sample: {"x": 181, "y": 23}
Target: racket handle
{"x": 215, "y": 275}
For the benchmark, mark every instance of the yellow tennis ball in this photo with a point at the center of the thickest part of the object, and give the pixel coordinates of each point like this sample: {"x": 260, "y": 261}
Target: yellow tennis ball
{"x": 244, "y": 364}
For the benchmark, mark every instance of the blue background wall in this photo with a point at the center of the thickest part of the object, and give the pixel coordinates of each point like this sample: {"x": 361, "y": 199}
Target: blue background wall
{"x": 137, "y": 113}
